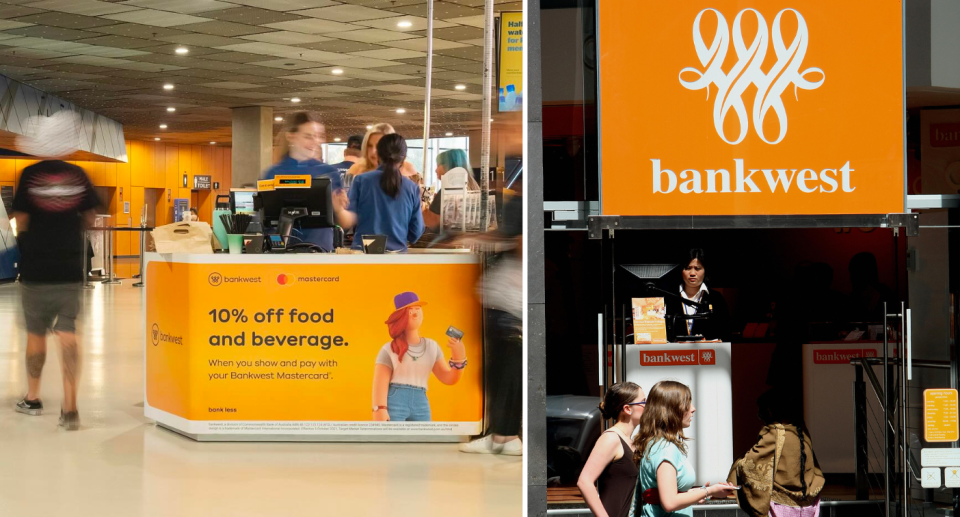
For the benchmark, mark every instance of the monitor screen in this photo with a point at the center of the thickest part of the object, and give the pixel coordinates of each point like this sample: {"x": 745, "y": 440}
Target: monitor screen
{"x": 243, "y": 201}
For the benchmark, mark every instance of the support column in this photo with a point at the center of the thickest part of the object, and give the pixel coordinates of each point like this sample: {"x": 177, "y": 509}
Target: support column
{"x": 252, "y": 144}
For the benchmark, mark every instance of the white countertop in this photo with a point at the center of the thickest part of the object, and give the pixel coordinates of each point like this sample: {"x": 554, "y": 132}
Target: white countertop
{"x": 315, "y": 258}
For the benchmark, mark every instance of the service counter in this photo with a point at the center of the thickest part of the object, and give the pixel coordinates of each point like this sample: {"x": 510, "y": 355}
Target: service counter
{"x": 283, "y": 347}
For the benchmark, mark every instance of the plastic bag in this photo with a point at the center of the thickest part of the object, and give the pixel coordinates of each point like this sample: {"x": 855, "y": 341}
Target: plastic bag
{"x": 183, "y": 237}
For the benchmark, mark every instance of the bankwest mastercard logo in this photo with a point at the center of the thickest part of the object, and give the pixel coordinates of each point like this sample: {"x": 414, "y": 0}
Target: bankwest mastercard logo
{"x": 678, "y": 357}
{"x": 841, "y": 356}
{"x": 284, "y": 279}
{"x": 725, "y": 107}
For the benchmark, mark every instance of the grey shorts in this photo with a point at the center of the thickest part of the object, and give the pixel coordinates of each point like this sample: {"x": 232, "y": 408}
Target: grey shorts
{"x": 50, "y": 307}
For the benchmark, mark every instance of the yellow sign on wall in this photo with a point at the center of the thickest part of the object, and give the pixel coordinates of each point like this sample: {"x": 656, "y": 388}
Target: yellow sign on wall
{"x": 266, "y": 343}
{"x": 511, "y": 61}
{"x": 940, "y": 415}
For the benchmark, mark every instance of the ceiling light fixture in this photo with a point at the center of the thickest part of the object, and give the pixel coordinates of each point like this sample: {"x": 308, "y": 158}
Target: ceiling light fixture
{"x": 182, "y": 50}
{"x": 278, "y": 119}
{"x": 157, "y": 138}
{"x": 163, "y": 126}
{"x": 336, "y": 139}
{"x": 460, "y": 87}
{"x": 213, "y": 143}
{"x": 337, "y": 71}
{"x": 369, "y": 128}
{"x": 171, "y": 109}
{"x": 168, "y": 86}
{"x": 405, "y": 24}
{"x": 401, "y": 111}
{"x": 295, "y": 100}
{"x": 449, "y": 134}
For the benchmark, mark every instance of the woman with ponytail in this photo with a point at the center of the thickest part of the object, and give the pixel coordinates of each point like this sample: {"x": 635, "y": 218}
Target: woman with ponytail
{"x": 383, "y": 202}
{"x": 611, "y": 462}
{"x": 405, "y": 363}
{"x": 780, "y": 474}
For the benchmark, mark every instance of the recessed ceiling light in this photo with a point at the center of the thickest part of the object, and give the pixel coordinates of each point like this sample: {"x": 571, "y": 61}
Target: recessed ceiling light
{"x": 336, "y": 139}
{"x": 401, "y": 111}
{"x": 278, "y": 119}
{"x": 171, "y": 109}
{"x": 369, "y": 128}
{"x": 156, "y": 138}
{"x": 460, "y": 87}
{"x": 182, "y": 50}
{"x": 491, "y": 120}
{"x": 404, "y": 24}
{"x": 337, "y": 71}
{"x": 168, "y": 86}
{"x": 295, "y": 100}
{"x": 449, "y": 134}
{"x": 213, "y": 143}
{"x": 163, "y": 126}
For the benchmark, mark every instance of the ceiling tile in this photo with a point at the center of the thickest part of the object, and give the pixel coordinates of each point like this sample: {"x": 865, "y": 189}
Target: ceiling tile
{"x": 334, "y": 88}
{"x": 226, "y": 29}
{"x": 418, "y": 24}
{"x": 470, "y": 52}
{"x": 181, "y": 6}
{"x": 460, "y": 33}
{"x": 287, "y": 38}
{"x": 372, "y": 36}
{"x": 233, "y": 57}
{"x": 12, "y": 11}
{"x": 170, "y": 50}
{"x": 358, "y": 62}
{"x": 313, "y": 78}
{"x": 286, "y": 5}
{"x": 421, "y": 44}
{"x": 10, "y": 24}
{"x": 341, "y": 46}
{"x": 286, "y": 64}
{"x": 54, "y": 33}
{"x": 162, "y": 59}
{"x": 346, "y": 13}
{"x": 385, "y": 4}
{"x": 311, "y": 26}
{"x": 207, "y": 64}
{"x": 473, "y": 21}
{"x": 389, "y": 53}
{"x": 156, "y": 18}
{"x": 137, "y": 30}
{"x": 230, "y": 85}
{"x": 82, "y": 7}
{"x": 441, "y": 61}
{"x": 353, "y": 73}
{"x": 66, "y": 21}
{"x": 441, "y": 10}
{"x": 250, "y": 15}
{"x": 475, "y": 42}
{"x": 27, "y": 53}
{"x": 118, "y": 41}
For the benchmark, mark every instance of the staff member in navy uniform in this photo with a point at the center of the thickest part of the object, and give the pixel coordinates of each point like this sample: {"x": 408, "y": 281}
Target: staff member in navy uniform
{"x": 300, "y": 152}
{"x": 694, "y": 288}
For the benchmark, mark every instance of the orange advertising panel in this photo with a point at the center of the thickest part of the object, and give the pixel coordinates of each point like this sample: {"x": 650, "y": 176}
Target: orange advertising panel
{"x": 751, "y": 108}
{"x": 281, "y": 348}
{"x": 649, "y": 321}
{"x": 940, "y": 423}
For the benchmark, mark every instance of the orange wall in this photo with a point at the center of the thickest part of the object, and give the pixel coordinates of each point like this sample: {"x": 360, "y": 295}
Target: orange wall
{"x": 149, "y": 165}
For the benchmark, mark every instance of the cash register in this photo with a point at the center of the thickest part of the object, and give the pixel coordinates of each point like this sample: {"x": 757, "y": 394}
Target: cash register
{"x": 298, "y": 209}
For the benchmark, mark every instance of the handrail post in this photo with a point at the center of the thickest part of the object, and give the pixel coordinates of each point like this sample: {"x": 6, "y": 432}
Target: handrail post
{"x": 860, "y": 442}
{"x": 887, "y": 468}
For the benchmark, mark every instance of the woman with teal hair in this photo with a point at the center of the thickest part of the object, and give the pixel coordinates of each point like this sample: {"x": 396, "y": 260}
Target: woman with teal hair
{"x": 446, "y": 162}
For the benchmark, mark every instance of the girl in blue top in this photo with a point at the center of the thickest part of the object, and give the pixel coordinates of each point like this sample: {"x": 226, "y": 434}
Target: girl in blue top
{"x": 661, "y": 455}
{"x": 383, "y": 202}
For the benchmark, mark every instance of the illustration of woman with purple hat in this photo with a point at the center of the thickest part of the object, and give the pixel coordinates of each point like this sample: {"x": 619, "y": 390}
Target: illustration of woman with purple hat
{"x": 404, "y": 365}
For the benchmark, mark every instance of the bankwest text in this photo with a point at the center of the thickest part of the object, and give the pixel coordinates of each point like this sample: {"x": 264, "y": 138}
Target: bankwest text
{"x": 742, "y": 180}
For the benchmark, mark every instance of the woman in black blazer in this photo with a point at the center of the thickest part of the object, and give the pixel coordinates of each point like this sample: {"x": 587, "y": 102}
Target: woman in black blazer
{"x": 693, "y": 287}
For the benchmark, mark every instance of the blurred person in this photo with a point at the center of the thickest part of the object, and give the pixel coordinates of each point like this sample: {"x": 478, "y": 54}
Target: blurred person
{"x": 665, "y": 480}
{"x": 447, "y": 161}
{"x": 369, "y": 160}
{"x": 611, "y": 461}
{"x": 299, "y": 143}
{"x": 501, "y": 290}
{"x": 351, "y": 155}
{"x": 383, "y": 202}
{"x": 191, "y": 215}
{"x": 780, "y": 475}
{"x": 54, "y": 202}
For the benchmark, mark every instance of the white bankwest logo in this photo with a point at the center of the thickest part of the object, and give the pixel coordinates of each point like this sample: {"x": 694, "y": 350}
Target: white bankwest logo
{"x": 731, "y": 85}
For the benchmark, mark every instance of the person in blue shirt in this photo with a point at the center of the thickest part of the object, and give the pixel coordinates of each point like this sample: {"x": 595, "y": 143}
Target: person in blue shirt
{"x": 383, "y": 202}
{"x": 300, "y": 148}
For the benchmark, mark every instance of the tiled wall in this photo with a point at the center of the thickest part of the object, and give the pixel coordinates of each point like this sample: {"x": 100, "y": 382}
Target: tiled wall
{"x": 150, "y": 165}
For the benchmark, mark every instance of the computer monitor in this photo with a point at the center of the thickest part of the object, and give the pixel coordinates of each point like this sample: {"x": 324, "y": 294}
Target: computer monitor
{"x": 242, "y": 201}
{"x": 304, "y": 207}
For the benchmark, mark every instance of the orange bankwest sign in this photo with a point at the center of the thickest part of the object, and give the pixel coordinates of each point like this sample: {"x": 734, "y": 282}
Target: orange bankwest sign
{"x": 723, "y": 107}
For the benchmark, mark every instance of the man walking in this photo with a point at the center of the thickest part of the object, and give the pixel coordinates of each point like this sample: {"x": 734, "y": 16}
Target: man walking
{"x": 53, "y": 203}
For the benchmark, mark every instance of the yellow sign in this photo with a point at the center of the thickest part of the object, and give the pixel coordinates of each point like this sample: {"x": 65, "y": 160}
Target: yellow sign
{"x": 940, "y": 415}
{"x": 265, "y": 185}
{"x": 649, "y": 321}
{"x": 511, "y": 61}
{"x": 269, "y": 343}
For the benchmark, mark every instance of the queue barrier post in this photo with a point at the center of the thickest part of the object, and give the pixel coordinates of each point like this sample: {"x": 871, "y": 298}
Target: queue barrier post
{"x": 86, "y": 273}
{"x": 108, "y": 238}
{"x": 143, "y": 247}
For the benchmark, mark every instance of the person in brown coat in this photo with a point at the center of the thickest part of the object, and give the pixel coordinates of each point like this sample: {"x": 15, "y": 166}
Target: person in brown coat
{"x": 779, "y": 475}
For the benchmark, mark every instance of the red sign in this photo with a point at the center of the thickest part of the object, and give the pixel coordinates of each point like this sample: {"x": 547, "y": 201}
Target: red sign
{"x": 828, "y": 356}
{"x": 678, "y": 357}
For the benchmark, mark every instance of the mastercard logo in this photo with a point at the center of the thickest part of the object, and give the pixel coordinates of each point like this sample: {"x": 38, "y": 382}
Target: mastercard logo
{"x": 284, "y": 279}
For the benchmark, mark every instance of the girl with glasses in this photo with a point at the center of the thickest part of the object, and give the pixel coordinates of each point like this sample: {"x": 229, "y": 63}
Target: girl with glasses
{"x": 611, "y": 462}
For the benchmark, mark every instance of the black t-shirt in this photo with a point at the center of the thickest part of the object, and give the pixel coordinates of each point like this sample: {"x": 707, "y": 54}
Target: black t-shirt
{"x": 54, "y": 194}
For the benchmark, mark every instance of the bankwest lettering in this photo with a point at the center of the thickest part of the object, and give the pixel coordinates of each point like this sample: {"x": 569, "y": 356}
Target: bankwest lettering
{"x": 720, "y": 181}
{"x": 678, "y": 357}
{"x": 944, "y": 135}
{"x": 841, "y": 356}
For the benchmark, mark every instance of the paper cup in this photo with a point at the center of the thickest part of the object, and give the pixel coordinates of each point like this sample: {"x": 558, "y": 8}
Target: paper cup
{"x": 235, "y": 242}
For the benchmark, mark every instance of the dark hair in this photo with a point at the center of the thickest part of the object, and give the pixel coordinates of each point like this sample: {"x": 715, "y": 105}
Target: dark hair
{"x": 355, "y": 142}
{"x": 779, "y": 407}
{"x": 392, "y": 150}
{"x": 617, "y": 396}
{"x": 693, "y": 254}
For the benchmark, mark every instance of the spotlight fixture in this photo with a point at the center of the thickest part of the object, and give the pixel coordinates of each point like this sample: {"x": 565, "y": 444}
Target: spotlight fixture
{"x": 213, "y": 143}
{"x": 163, "y": 126}
{"x": 171, "y": 109}
{"x": 182, "y": 50}
{"x": 295, "y": 100}
{"x": 401, "y": 111}
{"x": 460, "y": 87}
{"x": 337, "y": 71}
{"x": 369, "y": 128}
{"x": 336, "y": 139}
{"x": 405, "y": 24}
{"x": 278, "y": 119}
{"x": 157, "y": 138}
{"x": 449, "y": 134}
{"x": 168, "y": 86}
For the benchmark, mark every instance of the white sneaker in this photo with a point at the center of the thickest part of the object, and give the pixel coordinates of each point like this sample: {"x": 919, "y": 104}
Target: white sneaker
{"x": 512, "y": 448}
{"x": 483, "y": 445}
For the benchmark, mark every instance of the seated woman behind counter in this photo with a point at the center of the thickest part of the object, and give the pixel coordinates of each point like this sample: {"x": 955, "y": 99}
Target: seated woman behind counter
{"x": 693, "y": 288}
{"x": 383, "y": 202}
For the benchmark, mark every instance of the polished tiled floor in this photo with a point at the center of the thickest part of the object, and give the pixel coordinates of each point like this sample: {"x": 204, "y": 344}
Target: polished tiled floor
{"x": 121, "y": 464}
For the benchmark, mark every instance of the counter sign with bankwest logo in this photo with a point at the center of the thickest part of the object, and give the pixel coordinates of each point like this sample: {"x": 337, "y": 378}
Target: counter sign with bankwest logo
{"x": 158, "y": 336}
